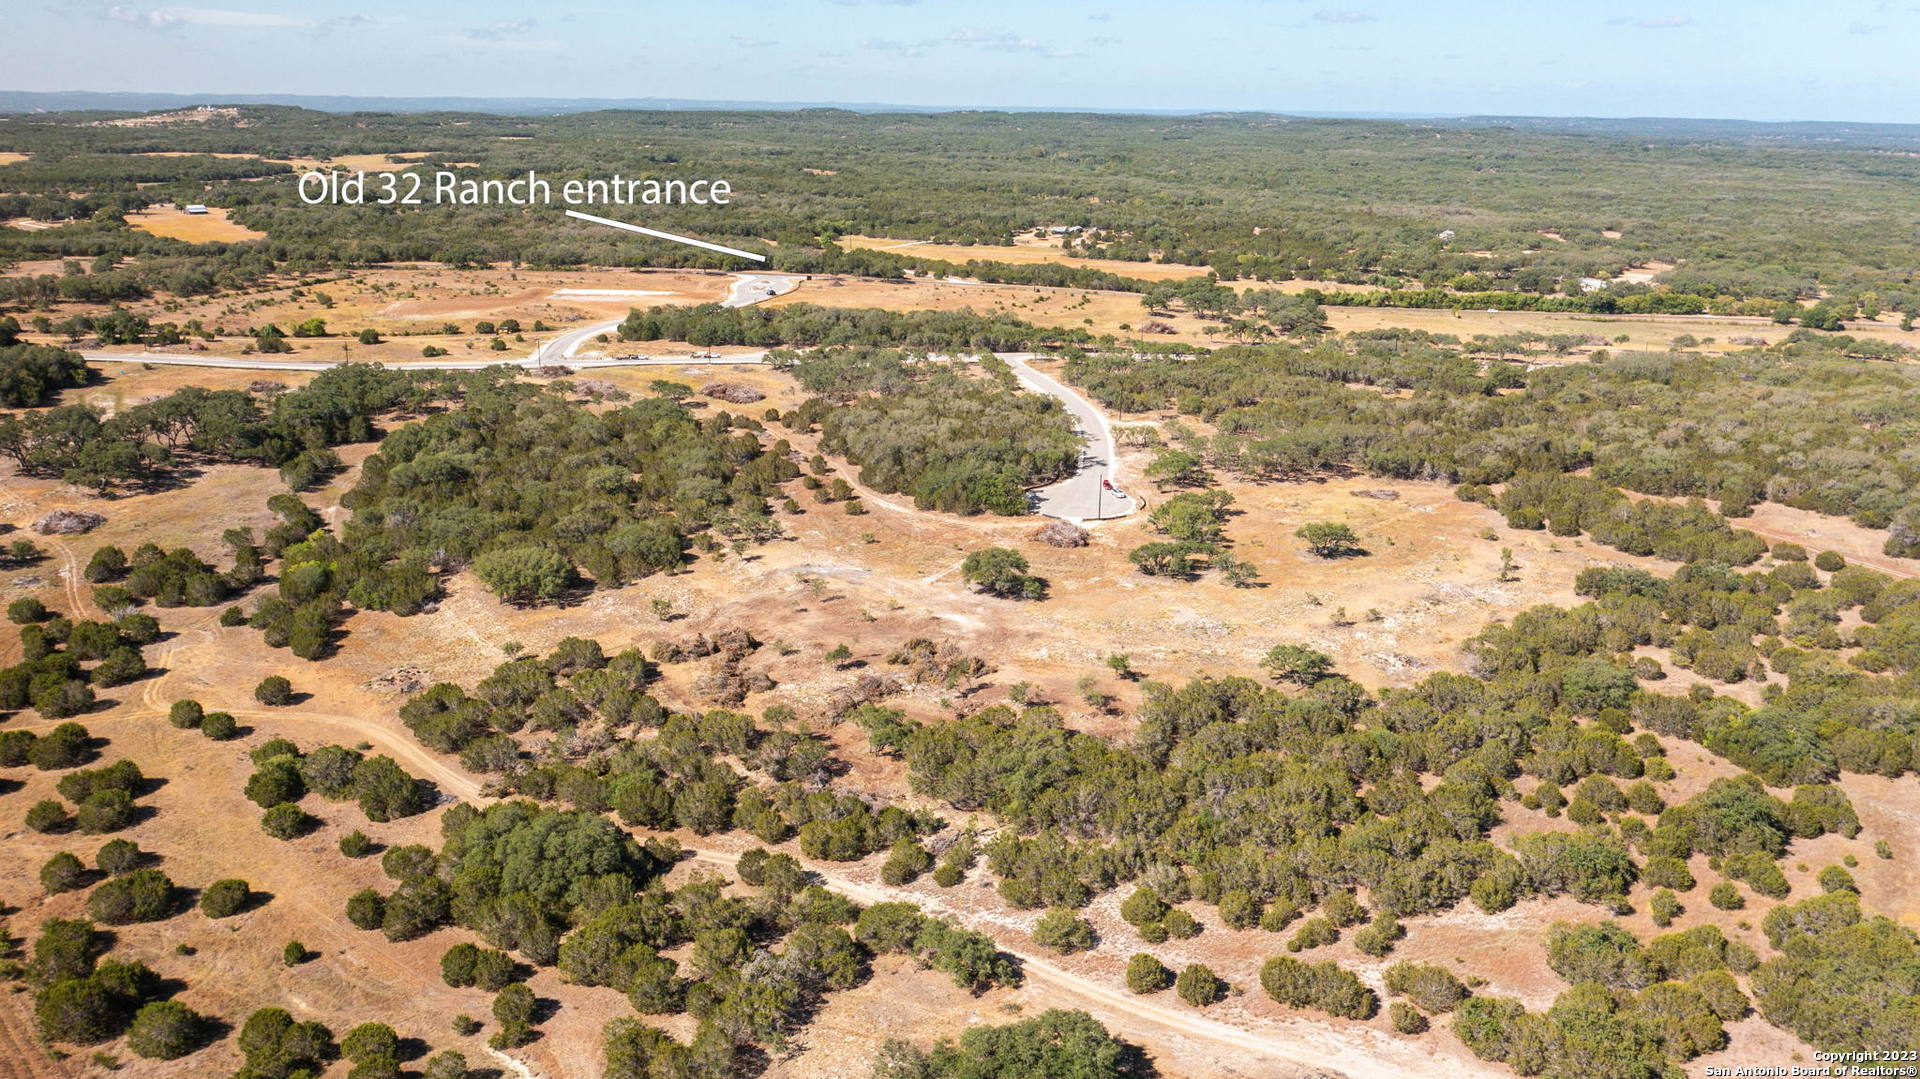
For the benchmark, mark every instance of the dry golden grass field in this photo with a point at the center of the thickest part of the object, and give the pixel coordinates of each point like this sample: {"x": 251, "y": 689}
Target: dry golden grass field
{"x": 173, "y": 222}
{"x": 1027, "y": 250}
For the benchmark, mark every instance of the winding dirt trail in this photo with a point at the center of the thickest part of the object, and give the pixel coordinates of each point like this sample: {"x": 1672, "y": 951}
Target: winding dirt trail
{"x": 1332, "y": 1053}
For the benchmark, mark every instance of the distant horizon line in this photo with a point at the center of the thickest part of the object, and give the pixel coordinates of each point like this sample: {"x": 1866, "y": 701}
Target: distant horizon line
{"x": 27, "y": 102}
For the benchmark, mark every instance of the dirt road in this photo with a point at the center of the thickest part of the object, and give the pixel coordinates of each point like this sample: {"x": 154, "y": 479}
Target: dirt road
{"x": 1331, "y": 1052}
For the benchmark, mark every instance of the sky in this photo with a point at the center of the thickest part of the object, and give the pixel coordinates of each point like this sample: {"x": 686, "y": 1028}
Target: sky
{"x": 1755, "y": 59}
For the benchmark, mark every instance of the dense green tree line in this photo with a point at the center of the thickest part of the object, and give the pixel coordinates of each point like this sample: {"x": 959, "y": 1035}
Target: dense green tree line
{"x": 568, "y": 888}
{"x": 679, "y": 777}
{"x": 31, "y": 374}
{"x": 1833, "y": 715}
{"x": 954, "y": 442}
{"x": 1052, "y": 1045}
{"x": 63, "y": 663}
{"x": 140, "y": 444}
{"x": 1602, "y": 302}
{"x": 528, "y": 487}
{"x": 1672, "y": 424}
{"x": 805, "y": 324}
{"x": 616, "y": 494}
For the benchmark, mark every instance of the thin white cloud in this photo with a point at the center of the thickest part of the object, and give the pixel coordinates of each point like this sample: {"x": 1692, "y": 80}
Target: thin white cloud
{"x": 499, "y": 30}
{"x": 994, "y": 40}
{"x": 169, "y": 18}
{"x": 969, "y": 37}
{"x": 753, "y": 43}
{"x": 899, "y": 48}
{"x": 1866, "y": 29}
{"x": 209, "y": 16}
{"x": 1343, "y": 17}
{"x": 1654, "y": 22}
{"x": 133, "y": 16}
{"x": 345, "y": 22}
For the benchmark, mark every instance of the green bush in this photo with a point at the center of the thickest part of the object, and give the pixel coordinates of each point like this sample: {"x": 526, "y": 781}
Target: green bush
{"x": 907, "y": 860}
{"x": 49, "y": 815}
{"x": 446, "y": 1064}
{"x": 1180, "y": 925}
{"x": 274, "y": 690}
{"x": 105, "y": 811}
{"x": 1002, "y": 571}
{"x": 1053, "y": 1045}
{"x": 63, "y": 873}
{"x": 369, "y": 1040}
{"x": 225, "y": 898}
{"x": 287, "y": 821}
{"x": 1143, "y": 906}
{"x": 1836, "y": 879}
{"x": 1313, "y": 933}
{"x": 80, "y": 1010}
{"x": 166, "y": 1030}
{"x": 273, "y": 1044}
{"x": 1432, "y": 988}
{"x": 66, "y": 746}
{"x": 1145, "y": 974}
{"x": 1199, "y": 986}
{"x": 26, "y": 610}
{"x": 106, "y": 564}
{"x": 366, "y": 909}
{"x": 1062, "y": 931}
{"x": 118, "y": 857}
{"x": 143, "y": 895}
{"x": 1323, "y": 985}
{"x": 1378, "y": 937}
{"x": 1664, "y": 907}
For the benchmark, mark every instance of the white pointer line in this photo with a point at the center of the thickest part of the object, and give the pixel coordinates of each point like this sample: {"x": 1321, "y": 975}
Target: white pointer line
{"x": 643, "y": 230}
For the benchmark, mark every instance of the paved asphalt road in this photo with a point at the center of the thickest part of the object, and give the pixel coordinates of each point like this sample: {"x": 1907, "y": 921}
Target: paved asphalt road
{"x": 747, "y": 290}
{"x": 1092, "y": 493}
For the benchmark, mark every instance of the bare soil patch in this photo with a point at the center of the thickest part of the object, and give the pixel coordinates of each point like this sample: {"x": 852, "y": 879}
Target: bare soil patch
{"x": 1094, "y": 310}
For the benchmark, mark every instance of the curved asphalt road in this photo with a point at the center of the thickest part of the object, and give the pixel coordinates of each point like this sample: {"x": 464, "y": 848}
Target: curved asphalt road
{"x": 1092, "y": 493}
{"x": 747, "y": 290}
